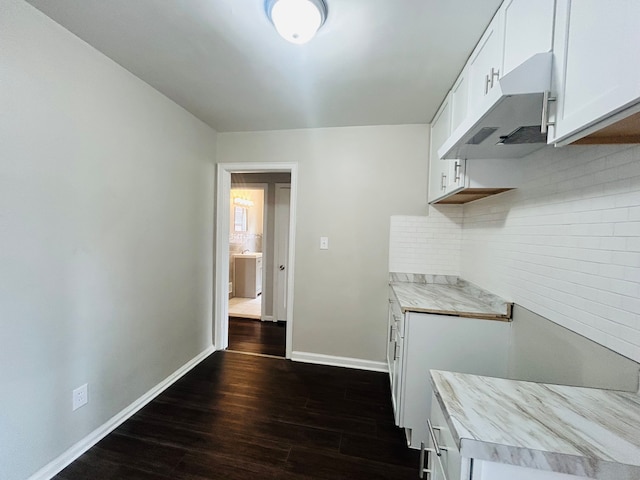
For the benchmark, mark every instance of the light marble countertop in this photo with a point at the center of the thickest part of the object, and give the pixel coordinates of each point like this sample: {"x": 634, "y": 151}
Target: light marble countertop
{"x": 248, "y": 255}
{"x": 575, "y": 430}
{"x": 447, "y": 295}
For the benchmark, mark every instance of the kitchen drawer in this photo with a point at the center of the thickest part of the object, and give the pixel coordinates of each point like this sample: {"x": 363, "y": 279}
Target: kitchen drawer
{"x": 441, "y": 440}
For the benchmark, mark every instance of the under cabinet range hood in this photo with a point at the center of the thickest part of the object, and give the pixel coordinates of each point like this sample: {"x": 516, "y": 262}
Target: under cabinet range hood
{"x": 507, "y": 122}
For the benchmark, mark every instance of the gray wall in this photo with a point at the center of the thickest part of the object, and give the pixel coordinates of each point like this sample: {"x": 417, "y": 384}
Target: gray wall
{"x": 106, "y": 208}
{"x": 351, "y": 180}
{"x": 543, "y": 351}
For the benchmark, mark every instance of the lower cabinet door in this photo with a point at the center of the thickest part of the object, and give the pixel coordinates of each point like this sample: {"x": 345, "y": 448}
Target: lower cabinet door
{"x": 396, "y": 386}
{"x": 437, "y": 470}
{"x": 449, "y": 455}
{"x": 442, "y": 342}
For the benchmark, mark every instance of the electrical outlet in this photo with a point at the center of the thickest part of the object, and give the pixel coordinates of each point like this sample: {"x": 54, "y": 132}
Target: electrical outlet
{"x": 80, "y": 396}
{"x": 324, "y": 243}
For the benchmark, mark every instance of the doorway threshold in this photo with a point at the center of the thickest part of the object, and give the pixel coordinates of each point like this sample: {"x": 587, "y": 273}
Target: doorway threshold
{"x": 255, "y": 354}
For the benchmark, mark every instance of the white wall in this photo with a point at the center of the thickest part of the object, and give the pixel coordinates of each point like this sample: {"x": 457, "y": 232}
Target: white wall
{"x": 106, "y": 207}
{"x": 351, "y": 180}
{"x": 427, "y": 244}
{"x": 566, "y": 244}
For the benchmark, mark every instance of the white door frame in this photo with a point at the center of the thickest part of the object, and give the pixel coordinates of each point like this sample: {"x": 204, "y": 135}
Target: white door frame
{"x": 221, "y": 268}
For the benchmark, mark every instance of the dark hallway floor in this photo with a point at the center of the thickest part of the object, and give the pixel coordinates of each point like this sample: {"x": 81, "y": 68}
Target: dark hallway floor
{"x": 254, "y": 336}
{"x": 240, "y": 416}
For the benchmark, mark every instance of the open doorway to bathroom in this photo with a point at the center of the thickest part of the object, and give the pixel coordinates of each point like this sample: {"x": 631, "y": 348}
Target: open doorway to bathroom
{"x": 258, "y": 252}
{"x": 246, "y": 233}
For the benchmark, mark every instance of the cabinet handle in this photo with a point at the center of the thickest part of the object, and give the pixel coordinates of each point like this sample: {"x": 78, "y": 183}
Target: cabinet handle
{"x": 390, "y": 333}
{"x": 486, "y": 84}
{"x": 443, "y": 182}
{"x": 456, "y": 179}
{"x": 395, "y": 351}
{"x": 425, "y": 454}
{"x": 495, "y": 75}
{"x": 545, "y": 123}
{"x": 436, "y": 447}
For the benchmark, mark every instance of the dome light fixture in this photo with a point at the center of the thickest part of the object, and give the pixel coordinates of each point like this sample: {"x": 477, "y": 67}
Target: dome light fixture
{"x": 297, "y": 21}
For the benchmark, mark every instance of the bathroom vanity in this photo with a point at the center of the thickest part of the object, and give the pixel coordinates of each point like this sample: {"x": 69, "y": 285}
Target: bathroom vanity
{"x": 248, "y": 274}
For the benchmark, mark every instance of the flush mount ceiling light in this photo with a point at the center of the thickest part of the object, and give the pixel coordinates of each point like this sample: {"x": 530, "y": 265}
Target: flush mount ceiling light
{"x": 297, "y": 21}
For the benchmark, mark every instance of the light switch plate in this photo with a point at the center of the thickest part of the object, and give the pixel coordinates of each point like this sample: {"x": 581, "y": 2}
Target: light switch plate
{"x": 324, "y": 243}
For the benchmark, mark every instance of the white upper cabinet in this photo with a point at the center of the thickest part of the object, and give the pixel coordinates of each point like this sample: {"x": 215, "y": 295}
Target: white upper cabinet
{"x": 484, "y": 63}
{"x": 519, "y": 30}
{"x": 596, "y": 77}
{"x": 439, "y": 169}
{"x": 527, "y": 29}
{"x": 459, "y": 99}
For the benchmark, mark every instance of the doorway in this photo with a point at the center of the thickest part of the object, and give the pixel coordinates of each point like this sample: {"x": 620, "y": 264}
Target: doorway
{"x": 277, "y": 245}
{"x": 247, "y": 230}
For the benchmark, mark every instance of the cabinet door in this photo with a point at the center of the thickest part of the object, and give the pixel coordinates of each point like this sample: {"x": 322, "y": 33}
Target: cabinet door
{"x": 437, "y": 469}
{"x": 485, "y": 470}
{"x": 459, "y": 99}
{"x": 449, "y": 455}
{"x": 596, "y": 69}
{"x": 391, "y": 343}
{"x": 459, "y": 106}
{"x": 394, "y": 353}
{"x": 527, "y": 29}
{"x": 484, "y": 63}
{"x": 443, "y": 342}
{"x": 438, "y": 169}
{"x": 456, "y": 175}
{"x": 258, "y": 275}
{"x": 398, "y": 380}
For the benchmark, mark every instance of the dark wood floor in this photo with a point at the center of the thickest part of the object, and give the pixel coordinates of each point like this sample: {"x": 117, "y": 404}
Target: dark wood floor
{"x": 254, "y": 336}
{"x": 238, "y": 416}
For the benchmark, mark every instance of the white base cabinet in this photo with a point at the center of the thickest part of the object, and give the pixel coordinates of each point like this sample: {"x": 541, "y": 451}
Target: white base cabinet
{"x": 484, "y": 470}
{"x": 248, "y": 276}
{"x": 427, "y": 341}
{"x": 440, "y": 458}
{"x": 394, "y": 348}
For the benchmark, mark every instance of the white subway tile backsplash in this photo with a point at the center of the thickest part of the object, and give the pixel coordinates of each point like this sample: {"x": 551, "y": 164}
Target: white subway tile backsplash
{"x": 566, "y": 243}
{"x": 427, "y": 244}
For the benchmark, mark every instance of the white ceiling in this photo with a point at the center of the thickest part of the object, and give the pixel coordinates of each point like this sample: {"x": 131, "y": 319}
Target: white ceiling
{"x": 374, "y": 62}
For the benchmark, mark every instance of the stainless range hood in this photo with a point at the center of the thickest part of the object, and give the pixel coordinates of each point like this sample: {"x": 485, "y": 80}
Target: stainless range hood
{"x": 506, "y": 124}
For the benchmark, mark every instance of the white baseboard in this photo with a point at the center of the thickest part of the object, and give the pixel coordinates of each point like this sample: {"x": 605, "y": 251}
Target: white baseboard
{"x": 347, "y": 362}
{"x": 58, "y": 464}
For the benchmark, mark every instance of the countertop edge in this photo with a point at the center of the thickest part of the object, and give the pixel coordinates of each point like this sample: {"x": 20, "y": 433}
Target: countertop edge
{"x": 599, "y": 469}
{"x": 454, "y": 313}
{"x": 504, "y": 313}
